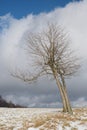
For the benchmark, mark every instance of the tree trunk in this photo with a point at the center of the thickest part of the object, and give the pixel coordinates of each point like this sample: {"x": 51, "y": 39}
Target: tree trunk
{"x": 69, "y": 109}
{"x": 63, "y": 93}
{"x": 68, "y": 106}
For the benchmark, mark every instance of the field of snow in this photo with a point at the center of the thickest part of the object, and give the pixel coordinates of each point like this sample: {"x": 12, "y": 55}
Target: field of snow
{"x": 42, "y": 119}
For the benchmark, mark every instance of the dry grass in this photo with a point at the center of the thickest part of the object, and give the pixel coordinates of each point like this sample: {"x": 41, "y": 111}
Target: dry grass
{"x": 74, "y": 128}
{"x": 66, "y": 124}
{"x": 45, "y": 120}
{"x": 39, "y": 122}
{"x": 51, "y": 120}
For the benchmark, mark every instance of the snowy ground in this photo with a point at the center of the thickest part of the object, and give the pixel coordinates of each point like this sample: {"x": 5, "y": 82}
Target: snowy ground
{"x": 42, "y": 119}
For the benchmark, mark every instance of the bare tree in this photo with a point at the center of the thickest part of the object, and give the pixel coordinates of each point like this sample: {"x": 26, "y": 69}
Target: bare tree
{"x": 51, "y": 53}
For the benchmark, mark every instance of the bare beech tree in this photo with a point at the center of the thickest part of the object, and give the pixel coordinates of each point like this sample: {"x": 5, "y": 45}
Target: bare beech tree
{"x": 51, "y": 53}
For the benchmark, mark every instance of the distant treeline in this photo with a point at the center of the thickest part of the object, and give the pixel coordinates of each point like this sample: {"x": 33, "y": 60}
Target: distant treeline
{"x": 4, "y": 103}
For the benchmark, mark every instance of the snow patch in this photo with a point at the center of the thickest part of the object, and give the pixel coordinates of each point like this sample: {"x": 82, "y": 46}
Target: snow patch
{"x": 33, "y": 128}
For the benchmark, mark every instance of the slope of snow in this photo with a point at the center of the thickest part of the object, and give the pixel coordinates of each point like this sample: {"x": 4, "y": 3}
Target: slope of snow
{"x": 42, "y": 119}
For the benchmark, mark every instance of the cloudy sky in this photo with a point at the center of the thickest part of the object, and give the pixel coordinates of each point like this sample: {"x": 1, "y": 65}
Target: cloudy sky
{"x": 16, "y": 17}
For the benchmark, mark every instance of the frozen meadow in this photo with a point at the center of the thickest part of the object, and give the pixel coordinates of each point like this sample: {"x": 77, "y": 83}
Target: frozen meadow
{"x": 42, "y": 119}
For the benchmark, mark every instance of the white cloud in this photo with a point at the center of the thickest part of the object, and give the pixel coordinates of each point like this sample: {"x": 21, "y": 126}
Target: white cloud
{"x": 73, "y": 17}
{"x": 40, "y": 101}
{"x": 32, "y": 101}
{"x": 80, "y": 102}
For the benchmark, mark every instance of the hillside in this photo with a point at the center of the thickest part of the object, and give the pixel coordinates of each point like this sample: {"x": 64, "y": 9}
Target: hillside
{"x": 4, "y": 103}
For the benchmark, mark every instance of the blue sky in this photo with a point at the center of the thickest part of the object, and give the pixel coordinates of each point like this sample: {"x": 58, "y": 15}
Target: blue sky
{"x": 20, "y": 8}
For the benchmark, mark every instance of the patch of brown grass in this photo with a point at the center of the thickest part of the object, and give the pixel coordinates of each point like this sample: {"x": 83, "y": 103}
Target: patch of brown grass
{"x": 27, "y": 124}
{"x": 39, "y": 122}
{"x": 83, "y": 122}
{"x": 74, "y": 128}
{"x": 66, "y": 124}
